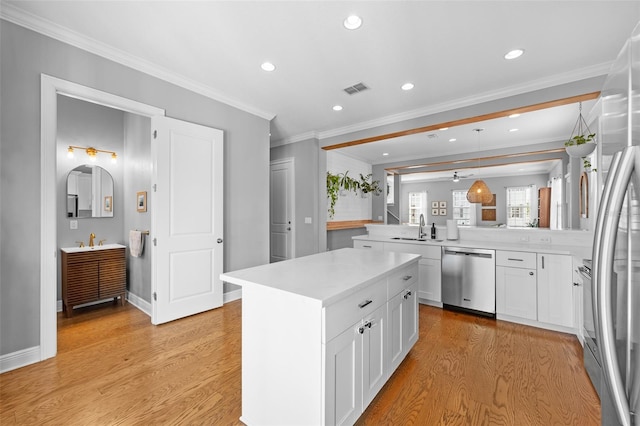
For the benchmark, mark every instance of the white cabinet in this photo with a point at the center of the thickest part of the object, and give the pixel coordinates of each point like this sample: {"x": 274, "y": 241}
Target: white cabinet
{"x": 516, "y": 284}
{"x": 356, "y": 367}
{"x": 403, "y": 324}
{"x": 555, "y": 289}
{"x": 430, "y": 287}
{"x": 375, "y": 245}
{"x": 315, "y": 334}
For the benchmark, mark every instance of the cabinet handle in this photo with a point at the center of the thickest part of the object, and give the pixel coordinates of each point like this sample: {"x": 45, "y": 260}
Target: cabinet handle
{"x": 530, "y": 273}
{"x": 515, "y": 260}
{"x": 408, "y": 294}
{"x": 407, "y": 277}
{"x": 365, "y": 303}
{"x": 368, "y": 324}
{"x": 366, "y": 246}
{"x": 361, "y": 330}
{"x": 576, "y": 284}
{"x": 542, "y": 262}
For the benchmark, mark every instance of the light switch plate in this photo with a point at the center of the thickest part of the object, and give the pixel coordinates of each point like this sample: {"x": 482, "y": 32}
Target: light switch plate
{"x": 307, "y": 220}
{"x": 73, "y": 224}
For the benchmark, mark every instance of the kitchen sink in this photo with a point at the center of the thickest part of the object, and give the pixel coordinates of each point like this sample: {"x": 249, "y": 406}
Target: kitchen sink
{"x": 416, "y": 239}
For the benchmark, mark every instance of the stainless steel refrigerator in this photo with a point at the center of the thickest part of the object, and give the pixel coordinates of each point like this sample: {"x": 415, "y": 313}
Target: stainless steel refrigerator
{"x": 616, "y": 249}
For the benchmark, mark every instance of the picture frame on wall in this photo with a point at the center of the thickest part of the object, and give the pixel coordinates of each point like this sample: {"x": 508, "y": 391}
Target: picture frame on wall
{"x": 491, "y": 203}
{"x": 443, "y": 212}
{"x": 435, "y": 212}
{"x": 443, "y": 205}
{"x": 141, "y": 201}
{"x": 108, "y": 203}
{"x": 434, "y": 204}
{"x": 489, "y": 214}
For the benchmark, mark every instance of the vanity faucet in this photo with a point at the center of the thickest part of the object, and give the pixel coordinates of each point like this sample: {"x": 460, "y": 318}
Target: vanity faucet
{"x": 91, "y": 237}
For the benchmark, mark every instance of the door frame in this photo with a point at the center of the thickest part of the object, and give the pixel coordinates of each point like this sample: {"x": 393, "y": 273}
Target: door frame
{"x": 50, "y": 87}
{"x": 292, "y": 198}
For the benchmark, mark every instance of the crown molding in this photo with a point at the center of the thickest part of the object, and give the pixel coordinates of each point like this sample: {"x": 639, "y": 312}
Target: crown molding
{"x": 11, "y": 13}
{"x": 543, "y": 83}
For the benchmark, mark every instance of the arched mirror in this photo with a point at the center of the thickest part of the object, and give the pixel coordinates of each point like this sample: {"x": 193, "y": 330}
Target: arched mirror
{"x": 89, "y": 192}
{"x": 584, "y": 195}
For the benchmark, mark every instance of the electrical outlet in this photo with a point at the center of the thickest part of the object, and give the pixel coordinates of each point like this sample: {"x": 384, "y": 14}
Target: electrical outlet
{"x": 307, "y": 220}
{"x": 545, "y": 239}
{"x": 73, "y": 224}
{"x": 524, "y": 239}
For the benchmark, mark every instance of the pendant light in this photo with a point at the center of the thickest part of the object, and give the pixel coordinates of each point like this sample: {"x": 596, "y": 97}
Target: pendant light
{"x": 479, "y": 191}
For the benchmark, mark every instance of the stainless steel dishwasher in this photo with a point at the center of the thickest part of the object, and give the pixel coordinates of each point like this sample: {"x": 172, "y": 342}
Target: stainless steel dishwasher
{"x": 469, "y": 279}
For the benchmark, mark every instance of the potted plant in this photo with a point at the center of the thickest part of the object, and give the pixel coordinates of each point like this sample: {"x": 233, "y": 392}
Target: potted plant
{"x": 581, "y": 145}
{"x": 342, "y": 181}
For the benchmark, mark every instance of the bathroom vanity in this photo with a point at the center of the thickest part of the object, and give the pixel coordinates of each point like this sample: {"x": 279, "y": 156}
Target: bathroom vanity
{"x": 90, "y": 274}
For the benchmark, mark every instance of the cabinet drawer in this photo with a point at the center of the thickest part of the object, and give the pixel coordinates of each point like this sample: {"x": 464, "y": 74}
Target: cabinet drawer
{"x": 402, "y": 279}
{"x": 516, "y": 259}
{"x": 372, "y": 245}
{"x": 428, "y": 250}
{"x": 342, "y": 314}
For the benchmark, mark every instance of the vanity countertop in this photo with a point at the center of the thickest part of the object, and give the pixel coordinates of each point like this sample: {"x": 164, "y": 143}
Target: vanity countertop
{"x": 87, "y": 248}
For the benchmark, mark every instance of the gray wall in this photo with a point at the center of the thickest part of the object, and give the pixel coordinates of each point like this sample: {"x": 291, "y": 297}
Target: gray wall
{"x": 24, "y": 55}
{"x": 307, "y": 196}
{"x": 85, "y": 124}
{"x": 441, "y": 191}
{"x": 137, "y": 177}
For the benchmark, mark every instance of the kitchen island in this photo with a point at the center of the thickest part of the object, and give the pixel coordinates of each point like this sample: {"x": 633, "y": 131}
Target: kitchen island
{"x": 322, "y": 334}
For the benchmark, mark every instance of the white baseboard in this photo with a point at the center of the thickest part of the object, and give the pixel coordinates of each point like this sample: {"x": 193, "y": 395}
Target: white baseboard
{"x": 232, "y": 295}
{"x": 139, "y": 303}
{"x": 19, "y": 359}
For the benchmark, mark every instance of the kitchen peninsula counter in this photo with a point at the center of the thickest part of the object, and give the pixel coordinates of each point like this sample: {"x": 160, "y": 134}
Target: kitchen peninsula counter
{"x": 321, "y": 334}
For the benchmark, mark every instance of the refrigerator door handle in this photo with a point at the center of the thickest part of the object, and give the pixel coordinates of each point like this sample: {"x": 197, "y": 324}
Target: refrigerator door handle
{"x": 603, "y": 254}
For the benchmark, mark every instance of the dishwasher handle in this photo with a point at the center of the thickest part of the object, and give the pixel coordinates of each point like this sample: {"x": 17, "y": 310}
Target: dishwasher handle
{"x": 487, "y": 254}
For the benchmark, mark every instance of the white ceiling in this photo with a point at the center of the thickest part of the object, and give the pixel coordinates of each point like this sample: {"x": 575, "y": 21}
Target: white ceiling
{"x": 451, "y": 50}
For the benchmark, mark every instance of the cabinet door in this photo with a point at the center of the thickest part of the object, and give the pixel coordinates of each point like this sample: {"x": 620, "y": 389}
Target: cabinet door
{"x": 410, "y": 318}
{"x": 430, "y": 280}
{"x": 374, "y": 372}
{"x": 82, "y": 283}
{"x": 343, "y": 403}
{"x": 555, "y": 289}
{"x": 113, "y": 275}
{"x": 396, "y": 317}
{"x": 516, "y": 292}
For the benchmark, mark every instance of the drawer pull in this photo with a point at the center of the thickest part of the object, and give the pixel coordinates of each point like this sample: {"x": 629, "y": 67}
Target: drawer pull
{"x": 368, "y": 324}
{"x": 361, "y": 330}
{"x": 367, "y": 246}
{"x": 407, "y": 277}
{"x": 408, "y": 294}
{"x": 365, "y": 303}
{"x": 515, "y": 260}
{"x": 530, "y": 273}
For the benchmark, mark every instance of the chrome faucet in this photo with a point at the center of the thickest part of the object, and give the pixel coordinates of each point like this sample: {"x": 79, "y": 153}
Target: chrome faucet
{"x": 91, "y": 237}
{"x": 421, "y": 233}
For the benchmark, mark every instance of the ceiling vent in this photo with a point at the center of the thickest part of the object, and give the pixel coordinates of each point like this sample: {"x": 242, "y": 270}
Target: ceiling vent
{"x": 356, "y": 88}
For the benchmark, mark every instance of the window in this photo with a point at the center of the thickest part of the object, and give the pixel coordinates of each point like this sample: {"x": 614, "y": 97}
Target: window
{"x": 417, "y": 206}
{"x": 461, "y": 208}
{"x": 519, "y": 206}
{"x": 390, "y": 186}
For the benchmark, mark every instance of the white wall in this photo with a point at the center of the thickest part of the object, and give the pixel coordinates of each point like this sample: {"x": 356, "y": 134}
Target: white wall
{"x": 350, "y": 205}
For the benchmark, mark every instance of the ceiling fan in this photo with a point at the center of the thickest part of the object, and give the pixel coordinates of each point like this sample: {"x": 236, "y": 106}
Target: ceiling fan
{"x": 457, "y": 177}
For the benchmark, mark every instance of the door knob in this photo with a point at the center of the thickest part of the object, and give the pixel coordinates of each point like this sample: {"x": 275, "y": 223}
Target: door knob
{"x": 219, "y": 240}
{"x": 288, "y": 228}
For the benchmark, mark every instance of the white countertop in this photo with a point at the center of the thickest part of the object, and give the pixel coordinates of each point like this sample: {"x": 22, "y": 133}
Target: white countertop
{"x": 87, "y": 248}
{"x": 580, "y": 252}
{"x": 326, "y": 277}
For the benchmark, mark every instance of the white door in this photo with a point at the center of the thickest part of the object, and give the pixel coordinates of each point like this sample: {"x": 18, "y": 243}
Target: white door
{"x": 186, "y": 220}
{"x": 281, "y": 211}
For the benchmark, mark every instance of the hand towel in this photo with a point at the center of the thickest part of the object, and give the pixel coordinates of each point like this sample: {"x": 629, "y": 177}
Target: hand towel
{"x": 136, "y": 243}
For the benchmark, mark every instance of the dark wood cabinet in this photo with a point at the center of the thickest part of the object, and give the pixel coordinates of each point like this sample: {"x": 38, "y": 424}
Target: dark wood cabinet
{"x": 544, "y": 207}
{"x": 92, "y": 275}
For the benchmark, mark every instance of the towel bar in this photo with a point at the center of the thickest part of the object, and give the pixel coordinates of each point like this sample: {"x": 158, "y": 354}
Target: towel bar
{"x": 144, "y": 232}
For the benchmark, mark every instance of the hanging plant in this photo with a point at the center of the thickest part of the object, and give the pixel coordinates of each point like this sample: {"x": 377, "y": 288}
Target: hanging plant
{"x": 342, "y": 181}
{"x": 582, "y": 140}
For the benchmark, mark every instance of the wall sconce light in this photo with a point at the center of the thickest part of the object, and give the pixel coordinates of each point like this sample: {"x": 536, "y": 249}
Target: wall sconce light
{"x": 91, "y": 152}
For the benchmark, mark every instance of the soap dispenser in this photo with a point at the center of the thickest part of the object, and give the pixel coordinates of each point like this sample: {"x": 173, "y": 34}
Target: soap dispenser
{"x": 433, "y": 231}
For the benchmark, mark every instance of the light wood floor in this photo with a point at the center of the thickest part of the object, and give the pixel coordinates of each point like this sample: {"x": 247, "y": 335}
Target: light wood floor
{"x": 114, "y": 367}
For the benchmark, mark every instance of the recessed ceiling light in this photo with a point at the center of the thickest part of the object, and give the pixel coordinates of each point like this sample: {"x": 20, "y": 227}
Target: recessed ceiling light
{"x": 385, "y": 153}
{"x": 337, "y": 107}
{"x": 452, "y": 140}
{"x": 353, "y": 22}
{"x": 515, "y": 53}
{"x": 407, "y": 86}
{"x": 514, "y": 115}
{"x": 444, "y": 128}
{"x": 268, "y": 66}
{"x": 513, "y": 130}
